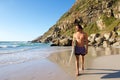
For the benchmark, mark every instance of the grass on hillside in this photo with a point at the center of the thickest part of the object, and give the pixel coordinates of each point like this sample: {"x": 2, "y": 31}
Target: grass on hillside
{"x": 91, "y": 28}
{"x": 107, "y": 20}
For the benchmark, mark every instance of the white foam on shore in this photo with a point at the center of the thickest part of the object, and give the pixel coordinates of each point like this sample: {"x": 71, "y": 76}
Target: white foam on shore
{"x": 28, "y": 55}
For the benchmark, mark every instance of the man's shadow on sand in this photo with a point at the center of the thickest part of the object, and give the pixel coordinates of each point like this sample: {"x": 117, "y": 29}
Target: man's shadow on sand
{"x": 108, "y": 75}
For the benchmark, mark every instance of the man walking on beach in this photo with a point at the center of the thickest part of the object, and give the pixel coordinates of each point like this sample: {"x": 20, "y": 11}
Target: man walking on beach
{"x": 80, "y": 44}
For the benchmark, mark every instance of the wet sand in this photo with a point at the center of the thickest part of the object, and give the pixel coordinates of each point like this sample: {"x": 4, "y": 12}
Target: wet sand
{"x": 100, "y": 64}
{"x": 33, "y": 70}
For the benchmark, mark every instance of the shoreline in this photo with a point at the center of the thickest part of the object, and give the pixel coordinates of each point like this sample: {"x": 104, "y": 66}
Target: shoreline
{"x": 35, "y": 69}
{"x": 56, "y": 66}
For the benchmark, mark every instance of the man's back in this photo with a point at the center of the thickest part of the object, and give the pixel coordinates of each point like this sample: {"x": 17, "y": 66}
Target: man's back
{"x": 80, "y": 37}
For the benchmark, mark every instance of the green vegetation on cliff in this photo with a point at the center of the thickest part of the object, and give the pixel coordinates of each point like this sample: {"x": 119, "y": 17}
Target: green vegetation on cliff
{"x": 96, "y": 16}
{"x": 91, "y": 28}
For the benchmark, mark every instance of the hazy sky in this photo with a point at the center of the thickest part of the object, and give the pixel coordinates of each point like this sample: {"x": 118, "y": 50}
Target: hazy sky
{"x": 25, "y": 20}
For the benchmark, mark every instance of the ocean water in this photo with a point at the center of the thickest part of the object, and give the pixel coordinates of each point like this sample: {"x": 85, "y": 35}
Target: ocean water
{"x": 18, "y": 52}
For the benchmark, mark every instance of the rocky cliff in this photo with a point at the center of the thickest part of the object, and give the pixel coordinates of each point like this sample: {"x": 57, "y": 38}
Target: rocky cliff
{"x": 100, "y": 19}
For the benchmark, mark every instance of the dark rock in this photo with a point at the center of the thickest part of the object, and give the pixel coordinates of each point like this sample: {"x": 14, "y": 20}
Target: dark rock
{"x": 47, "y": 39}
{"x": 34, "y": 41}
{"x": 53, "y": 44}
{"x": 65, "y": 42}
{"x": 110, "y": 3}
{"x": 62, "y": 42}
{"x": 111, "y": 41}
{"x": 99, "y": 40}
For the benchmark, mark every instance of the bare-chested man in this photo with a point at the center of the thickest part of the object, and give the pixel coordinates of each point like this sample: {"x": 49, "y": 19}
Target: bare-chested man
{"x": 81, "y": 47}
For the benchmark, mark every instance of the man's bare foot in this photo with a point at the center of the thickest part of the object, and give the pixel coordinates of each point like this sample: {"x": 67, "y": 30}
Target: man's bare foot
{"x": 78, "y": 74}
{"x": 82, "y": 68}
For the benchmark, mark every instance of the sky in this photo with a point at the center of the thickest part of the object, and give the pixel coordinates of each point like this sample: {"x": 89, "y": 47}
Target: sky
{"x": 25, "y": 20}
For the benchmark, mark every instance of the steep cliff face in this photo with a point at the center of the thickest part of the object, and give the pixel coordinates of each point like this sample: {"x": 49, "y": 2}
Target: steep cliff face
{"x": 96, "y": 16}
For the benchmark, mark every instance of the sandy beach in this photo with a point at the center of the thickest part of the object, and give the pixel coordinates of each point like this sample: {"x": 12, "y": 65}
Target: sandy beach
{"x": 37, "y": 38}
{"x": 100, "y": 64}
{"x": 56, "y": 67}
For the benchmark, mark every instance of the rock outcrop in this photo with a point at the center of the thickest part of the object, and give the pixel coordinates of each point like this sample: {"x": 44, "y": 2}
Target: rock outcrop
{"x": 105, "y": 40}
{"x": 100, "y": 19}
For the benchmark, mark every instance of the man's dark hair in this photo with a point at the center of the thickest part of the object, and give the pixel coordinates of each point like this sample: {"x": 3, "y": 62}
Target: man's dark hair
{"x": 79, "y": 26}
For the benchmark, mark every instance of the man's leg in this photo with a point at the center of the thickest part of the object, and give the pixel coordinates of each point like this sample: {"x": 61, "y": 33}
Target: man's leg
{"x": 77, "y": 65}
{"x": 82, "y": 62}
